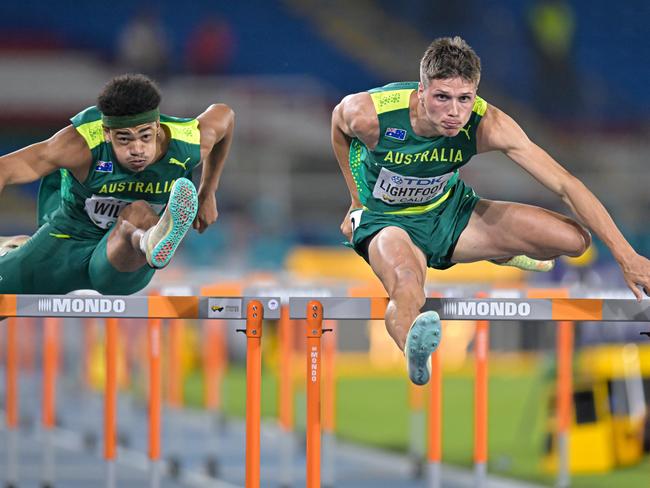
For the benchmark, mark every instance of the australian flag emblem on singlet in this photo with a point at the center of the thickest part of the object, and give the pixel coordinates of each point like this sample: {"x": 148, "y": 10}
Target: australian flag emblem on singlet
{"x": 397, "y": 134}
{"x": 104, "y": 166}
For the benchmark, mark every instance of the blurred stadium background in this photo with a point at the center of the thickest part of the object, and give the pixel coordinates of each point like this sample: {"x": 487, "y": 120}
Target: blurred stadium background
{"x": 574, "y": 74}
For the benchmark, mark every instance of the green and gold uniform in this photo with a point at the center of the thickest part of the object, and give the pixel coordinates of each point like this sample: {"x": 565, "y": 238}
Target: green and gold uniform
{"x": 68, "y": 252}
{"x": 412, "y": 182}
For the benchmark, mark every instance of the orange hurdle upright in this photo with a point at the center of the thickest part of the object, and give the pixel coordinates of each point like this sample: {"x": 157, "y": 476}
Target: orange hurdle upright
{"x": 565, "y": 333}
{"x": 254, "y": 316}
{"x": 50, "y": 370}
{"x": 155, "y": 383}
{"x": 110, "y": 400}
{"x": 313, "y": 355}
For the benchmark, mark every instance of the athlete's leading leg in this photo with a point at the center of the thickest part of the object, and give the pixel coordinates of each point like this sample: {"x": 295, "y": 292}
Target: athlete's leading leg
{"x": 401, "y": 266}
{"x": 501, "y": 230}
{"x": 140, "y": 237}
{"x": 123, "y": 246}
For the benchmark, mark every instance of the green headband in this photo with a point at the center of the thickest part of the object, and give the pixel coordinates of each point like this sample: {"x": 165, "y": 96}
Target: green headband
{"x": 123, "y": 121}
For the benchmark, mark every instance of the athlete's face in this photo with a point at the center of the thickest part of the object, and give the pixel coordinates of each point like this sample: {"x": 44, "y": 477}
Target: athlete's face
{"x": 134, "y": 147}
{"x": 447, "y": 104}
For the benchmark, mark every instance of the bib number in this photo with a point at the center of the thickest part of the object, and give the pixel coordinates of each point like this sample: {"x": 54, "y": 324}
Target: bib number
{"x": 104, "y": 211}
{"x": 395, "y": 189}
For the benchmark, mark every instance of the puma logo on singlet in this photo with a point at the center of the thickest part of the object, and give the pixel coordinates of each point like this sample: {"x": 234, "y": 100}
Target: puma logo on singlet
{"x": 466, "y": 131}
{"x": 178, "y": 163}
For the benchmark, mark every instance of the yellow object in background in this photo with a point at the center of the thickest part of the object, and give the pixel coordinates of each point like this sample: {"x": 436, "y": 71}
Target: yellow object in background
{"x": 609, "y": 410}
{"x": 584, "y": 260}
{"x": 344, "y": 264}
{"x": 590, "y": 433}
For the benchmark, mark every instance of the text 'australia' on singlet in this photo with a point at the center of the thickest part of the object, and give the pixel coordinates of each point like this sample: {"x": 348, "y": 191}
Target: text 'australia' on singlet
{"x": 406, "y": 173}
{"x": 91, "y": 207}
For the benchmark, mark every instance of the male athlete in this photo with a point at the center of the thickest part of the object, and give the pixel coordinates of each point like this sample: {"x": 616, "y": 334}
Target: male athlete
{"x": 400, "y": 147}
{"x": 107, "y": 178}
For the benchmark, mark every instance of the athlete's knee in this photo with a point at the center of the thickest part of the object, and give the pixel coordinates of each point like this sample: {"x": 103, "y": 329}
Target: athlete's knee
{"x": 139, "y": 214}
{"x": 580, "y": 241}
{"x": 137, "y": 208}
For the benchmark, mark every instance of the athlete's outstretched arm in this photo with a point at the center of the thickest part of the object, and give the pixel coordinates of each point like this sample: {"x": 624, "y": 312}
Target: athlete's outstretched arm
{"x": 355, "y": 116}
{"x": 216, "y": 125}
{"x": 500, "y": 132}
{"x": 65, "y": 149}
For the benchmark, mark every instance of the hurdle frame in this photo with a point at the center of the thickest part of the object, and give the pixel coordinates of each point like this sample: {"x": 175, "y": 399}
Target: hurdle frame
{"x": 315, "y": 310}
{"x": 111, "y": 308}
{"x": 483, "y": 309}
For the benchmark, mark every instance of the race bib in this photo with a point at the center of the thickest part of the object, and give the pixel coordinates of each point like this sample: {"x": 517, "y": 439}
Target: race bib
{"x": 395, "y": 189}
{"x": 103, "y": 211}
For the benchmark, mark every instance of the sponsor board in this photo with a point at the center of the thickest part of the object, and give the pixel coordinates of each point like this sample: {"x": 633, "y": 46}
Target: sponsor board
{"x": 493, "y": 309}
{"x": 78, "y": 306}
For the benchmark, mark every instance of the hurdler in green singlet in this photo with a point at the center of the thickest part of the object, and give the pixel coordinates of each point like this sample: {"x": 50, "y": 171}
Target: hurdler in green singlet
{"x": 68, "y": 252}
{"x": 412, "y": 182}
{"x": 91, "y": 207}
{"x": 115, "y": 201}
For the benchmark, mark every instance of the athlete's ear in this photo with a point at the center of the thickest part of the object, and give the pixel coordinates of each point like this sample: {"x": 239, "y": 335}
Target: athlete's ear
{"x": 107, "y": 133}
{"x": 420, "y": 92}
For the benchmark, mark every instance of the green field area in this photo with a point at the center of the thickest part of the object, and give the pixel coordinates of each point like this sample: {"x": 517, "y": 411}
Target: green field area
{"x": 375, "y": 411}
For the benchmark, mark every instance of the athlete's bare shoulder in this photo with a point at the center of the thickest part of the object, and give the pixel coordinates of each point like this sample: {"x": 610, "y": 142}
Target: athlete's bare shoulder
{"x": 68, "y": 149}
{"x": 357, "y": 117}
{"x": 215, "y": 123}
{"x": 498, "y": 132}
{"x": 217, "y": 115}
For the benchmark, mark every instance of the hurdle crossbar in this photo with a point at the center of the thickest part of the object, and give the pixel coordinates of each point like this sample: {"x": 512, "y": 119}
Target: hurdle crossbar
{"x": 135, "y": 306}
{"x": 576, "y": 309}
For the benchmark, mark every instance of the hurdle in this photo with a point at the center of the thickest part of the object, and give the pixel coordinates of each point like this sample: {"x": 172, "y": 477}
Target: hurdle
{"x": 287, "y": 332}
{"x": 12, "y": 407}
{"x": 562, "y": 310}
{"x": 50, "y": 369}
{"x": 111, "y": 308}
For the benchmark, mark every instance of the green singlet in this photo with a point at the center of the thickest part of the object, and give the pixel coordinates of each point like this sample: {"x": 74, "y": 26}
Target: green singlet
{"x": 68, "y": 252}
{"x": 412, "y": 182}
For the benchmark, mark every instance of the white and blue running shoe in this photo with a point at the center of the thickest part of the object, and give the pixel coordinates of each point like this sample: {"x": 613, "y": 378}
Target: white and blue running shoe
{"x": 422, "y": 339}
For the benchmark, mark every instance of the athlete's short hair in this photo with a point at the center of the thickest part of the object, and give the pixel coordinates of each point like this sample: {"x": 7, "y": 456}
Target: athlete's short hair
{"x": 128, "y": 94}
{"x": 450, "y": 57}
